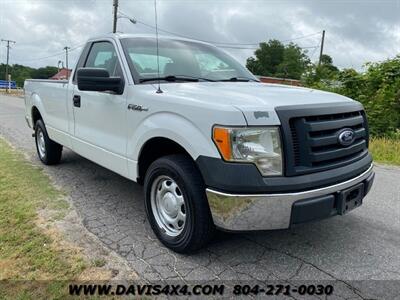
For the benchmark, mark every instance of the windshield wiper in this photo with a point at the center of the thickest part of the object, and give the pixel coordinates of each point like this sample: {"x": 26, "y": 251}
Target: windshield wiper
{"x": 169, "y": 78}
{"x": 173, "y": 78}
{"x": 241, "y": 79}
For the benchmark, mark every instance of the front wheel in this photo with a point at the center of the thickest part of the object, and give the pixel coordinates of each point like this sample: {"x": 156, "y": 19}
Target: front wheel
{"x": 176, "y": 204}
{"x": 48, "y": 151}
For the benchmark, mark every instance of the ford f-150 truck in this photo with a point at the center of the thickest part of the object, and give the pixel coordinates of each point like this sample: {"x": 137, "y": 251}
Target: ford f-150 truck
{"x": 214, "y": 147}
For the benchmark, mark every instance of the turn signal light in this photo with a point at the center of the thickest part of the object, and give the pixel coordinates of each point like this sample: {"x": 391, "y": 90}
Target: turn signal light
{"x": 222, "y": 140}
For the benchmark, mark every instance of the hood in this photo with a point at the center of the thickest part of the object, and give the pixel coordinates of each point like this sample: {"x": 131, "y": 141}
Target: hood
{"x": 256, "y": 100}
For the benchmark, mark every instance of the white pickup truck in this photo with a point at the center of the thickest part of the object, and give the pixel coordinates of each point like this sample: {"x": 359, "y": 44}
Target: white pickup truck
{"x": 213, "y": 146}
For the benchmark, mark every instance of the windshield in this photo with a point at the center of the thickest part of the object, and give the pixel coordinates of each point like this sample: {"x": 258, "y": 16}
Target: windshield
{"x": 181, "y": 61}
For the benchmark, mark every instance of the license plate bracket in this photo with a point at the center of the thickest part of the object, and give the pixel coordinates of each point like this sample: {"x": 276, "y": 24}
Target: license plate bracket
{"x": 350, "y": 198}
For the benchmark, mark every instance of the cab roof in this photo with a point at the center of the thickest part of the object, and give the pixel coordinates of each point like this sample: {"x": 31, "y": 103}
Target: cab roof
{"x": 153, "y": 36}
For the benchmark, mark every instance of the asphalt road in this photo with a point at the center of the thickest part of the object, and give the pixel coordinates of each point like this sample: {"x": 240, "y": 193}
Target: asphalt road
{"x": 363, "y": 245}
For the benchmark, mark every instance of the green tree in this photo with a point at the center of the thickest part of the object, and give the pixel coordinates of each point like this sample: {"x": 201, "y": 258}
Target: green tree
{"x": 273, "y": 58}
{"x": 20, "y": 73}
{"x": 378, "y": 89}
{"x": 44, "y": 73}
{"x": 325, "y": 71}
{"x": 294, "y": 63}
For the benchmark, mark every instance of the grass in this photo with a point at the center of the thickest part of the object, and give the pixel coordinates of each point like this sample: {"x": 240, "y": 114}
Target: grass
{"x": 27, "y": 251}
{"x": 99, "y": 262}
{"x": 385, "y": 150}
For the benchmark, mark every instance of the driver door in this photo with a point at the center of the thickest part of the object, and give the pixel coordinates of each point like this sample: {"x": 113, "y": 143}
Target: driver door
{"x": 100, "y": 117}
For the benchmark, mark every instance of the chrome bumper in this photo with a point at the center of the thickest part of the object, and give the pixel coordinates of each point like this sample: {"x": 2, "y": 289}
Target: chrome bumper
{"x": 265, "y": 211}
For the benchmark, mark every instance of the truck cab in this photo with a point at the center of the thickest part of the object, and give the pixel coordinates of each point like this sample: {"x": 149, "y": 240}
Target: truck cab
{"x": 213, "y": 147}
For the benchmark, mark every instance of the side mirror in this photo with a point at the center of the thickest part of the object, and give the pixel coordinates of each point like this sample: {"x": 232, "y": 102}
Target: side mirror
{"x": 98, "y": 79}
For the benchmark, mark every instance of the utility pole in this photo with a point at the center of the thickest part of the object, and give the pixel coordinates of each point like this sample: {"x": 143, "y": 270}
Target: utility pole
{"x": 115, "y": 5}
{"x": 66, "y": 48}
{"x": 8, "y": 55}
{"x": 60, "y": 62}
{"x": 322, "y": 47}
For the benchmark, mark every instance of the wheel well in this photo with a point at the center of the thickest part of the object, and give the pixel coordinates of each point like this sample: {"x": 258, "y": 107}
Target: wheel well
{"x": 35, "y": 115}
{"x": 154, "y": 149}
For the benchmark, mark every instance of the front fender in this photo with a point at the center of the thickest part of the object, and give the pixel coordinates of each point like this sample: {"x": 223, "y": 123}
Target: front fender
{"x": 171, "y": 126}
{"x": 176, "y": 128}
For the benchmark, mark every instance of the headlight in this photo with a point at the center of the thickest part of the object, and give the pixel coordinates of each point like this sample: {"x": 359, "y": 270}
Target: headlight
{"x": 258, "y": 145}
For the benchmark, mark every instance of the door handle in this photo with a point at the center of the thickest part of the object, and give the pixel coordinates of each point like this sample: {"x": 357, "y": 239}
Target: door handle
{"x": 77, "y": 100}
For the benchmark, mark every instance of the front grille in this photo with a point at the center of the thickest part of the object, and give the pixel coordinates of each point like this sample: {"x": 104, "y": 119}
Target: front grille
{"x": 311, "y": 138}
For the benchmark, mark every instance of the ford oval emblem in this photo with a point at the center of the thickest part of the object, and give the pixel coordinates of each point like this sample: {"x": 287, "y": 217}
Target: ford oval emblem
{"x": 346, "y": 137}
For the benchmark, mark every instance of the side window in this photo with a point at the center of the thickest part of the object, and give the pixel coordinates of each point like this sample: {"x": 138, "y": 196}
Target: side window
{"x": 81, "y": 60}
{"x": 103, "y": 55}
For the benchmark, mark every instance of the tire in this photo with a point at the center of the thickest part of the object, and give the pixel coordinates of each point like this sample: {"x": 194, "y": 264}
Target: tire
{"x": 185, "y": 184}
{"x": 49, "y": 152}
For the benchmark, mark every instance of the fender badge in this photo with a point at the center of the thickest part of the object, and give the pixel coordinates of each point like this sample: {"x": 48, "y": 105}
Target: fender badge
{"x": 261, "y": 114}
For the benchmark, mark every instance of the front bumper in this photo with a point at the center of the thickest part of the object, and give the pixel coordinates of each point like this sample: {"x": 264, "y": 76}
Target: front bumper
{"x": 237, "y": 212}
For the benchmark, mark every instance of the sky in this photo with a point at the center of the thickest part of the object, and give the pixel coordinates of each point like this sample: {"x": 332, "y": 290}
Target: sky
{"x": 357, "y": 31}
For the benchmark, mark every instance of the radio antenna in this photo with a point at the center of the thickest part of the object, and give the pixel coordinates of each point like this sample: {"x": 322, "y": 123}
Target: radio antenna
{"x": 159, "y": 91}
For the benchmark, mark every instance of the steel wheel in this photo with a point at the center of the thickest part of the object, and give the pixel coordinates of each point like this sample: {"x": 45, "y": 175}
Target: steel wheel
{"x": 49, "y": 151}
{"x": 176, "y": 203}
{"x": 168, "y": 205}
{"x": 41, "y": 144}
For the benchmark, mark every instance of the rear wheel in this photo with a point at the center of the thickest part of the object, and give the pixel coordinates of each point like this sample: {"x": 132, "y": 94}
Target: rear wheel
{"x": 49, "y": 152}
{"x": 176, "y": 204}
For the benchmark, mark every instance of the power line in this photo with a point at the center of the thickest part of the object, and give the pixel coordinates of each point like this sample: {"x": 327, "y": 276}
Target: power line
{"x": 44, "y": 57}
{"x": 315, "y": 50}
{"x": 227, "y": 45}
{"x": 282, "y": 41}
{"x": 53, "y": 55}
{"x": 208, "y": 41}
{"x": 302, "y": 37}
